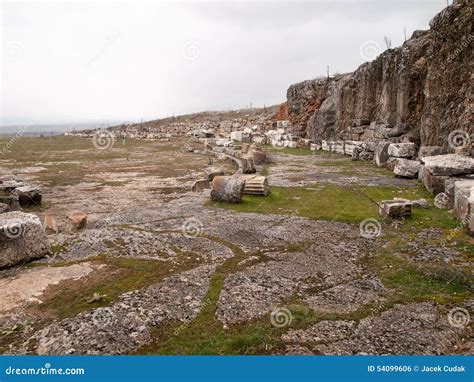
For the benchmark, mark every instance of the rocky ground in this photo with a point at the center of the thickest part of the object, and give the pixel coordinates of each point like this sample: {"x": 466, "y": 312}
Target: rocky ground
{"x": 160, "y": 269}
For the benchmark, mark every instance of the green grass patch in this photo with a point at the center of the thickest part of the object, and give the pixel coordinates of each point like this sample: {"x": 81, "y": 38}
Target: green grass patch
{"x": 339, "y": 203}
{"x": 121, "y": 275}
{"x": 294, "y": 151}
{"x": 9, "y": 335}
{"x": 426, "y": 282}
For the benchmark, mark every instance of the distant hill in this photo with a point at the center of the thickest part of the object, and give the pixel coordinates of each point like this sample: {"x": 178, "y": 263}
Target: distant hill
{"x": 205, "y": 116}
{"x": 51, "y": 129}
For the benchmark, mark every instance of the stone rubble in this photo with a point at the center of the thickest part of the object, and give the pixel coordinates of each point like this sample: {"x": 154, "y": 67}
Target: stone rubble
{"x": 394, "y": 209}
{"x": 22, "y": 238}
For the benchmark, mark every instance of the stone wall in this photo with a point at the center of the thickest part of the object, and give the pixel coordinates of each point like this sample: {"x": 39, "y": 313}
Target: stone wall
{"x": 419, "y": 92}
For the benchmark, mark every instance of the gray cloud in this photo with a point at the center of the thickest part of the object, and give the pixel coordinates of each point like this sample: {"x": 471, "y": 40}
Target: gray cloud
{"x": 110, "y": 61}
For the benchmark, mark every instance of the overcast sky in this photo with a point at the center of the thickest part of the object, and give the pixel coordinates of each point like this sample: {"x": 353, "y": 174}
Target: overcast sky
{"x": 97, "y": 61}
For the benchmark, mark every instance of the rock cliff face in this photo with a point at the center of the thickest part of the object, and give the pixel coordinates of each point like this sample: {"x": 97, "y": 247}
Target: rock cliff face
{"x": 419, "y": 92}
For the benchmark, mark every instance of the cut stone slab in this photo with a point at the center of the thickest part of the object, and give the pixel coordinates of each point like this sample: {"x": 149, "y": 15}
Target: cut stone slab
{"x": 449, "y": 164}
{"x": 28, "y": 196}
{"x": 349, "y": 146}
{"x": 463, "y": 200}
{"x": 394, "y": 209}
{"x": 227, "y": 189}
{"x": 422, "y": 203}
{"x": 434, "y": 184}
{"x": 406, "y": 168}
{"x": 11, "y": 184}
{"x": 381, "y": 154}
{"x": 402, "y": 150}
{"x": 338, "y": 147}
{"x": 247, "y": 166}
{"x": 236, "y": 136}
{"x": 430, "y": 151}
{"x": 22, "y": 238}
{"x": 326, "y": 145}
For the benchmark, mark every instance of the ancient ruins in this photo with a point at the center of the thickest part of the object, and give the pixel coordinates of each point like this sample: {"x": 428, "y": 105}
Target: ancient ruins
{"x": 338, "y": 222}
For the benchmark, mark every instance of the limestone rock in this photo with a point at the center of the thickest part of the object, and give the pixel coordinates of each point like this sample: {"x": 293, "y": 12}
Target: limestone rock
{"x": 366, "y": 156}
{"x": 247, "y": 166}
{"x": 434, "y": 184}
{"x": 9, "y": 185}
{"x": 391, "y": 163}
{"x": 407, "y": 168}
{"x": 462, "y": 150}
{"x": 349, "y": 146}
{"x": 258, "y": 155}
{"x": 430, "y": 151}
{"x": 21, "y": 238}
{"x": 442, "y": 201}
{"x": 236, "y": 136}
{"x": 402, "y": 150}
{"x": 200, "y": 185}
{"x": 449, "y": 164}
{"x": 381, "y": 154}
{"x": 11, "y": 200}
{"x": 78, "y": 219}
{"x": 212, "y": 172}
{"x": 50, "y": 225}
{"x": 227, "y": 189}
{"x": 28, "y": 196}
{"x": 422, "y": 203}
{"x": 463, "y": 200}
{"x": 338, "y": 147}
{"x": 4, "y": 208}
{"x": 394, "y": 209}
{"x": 356, "y": 153}
{"x": 419, "y": 90}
